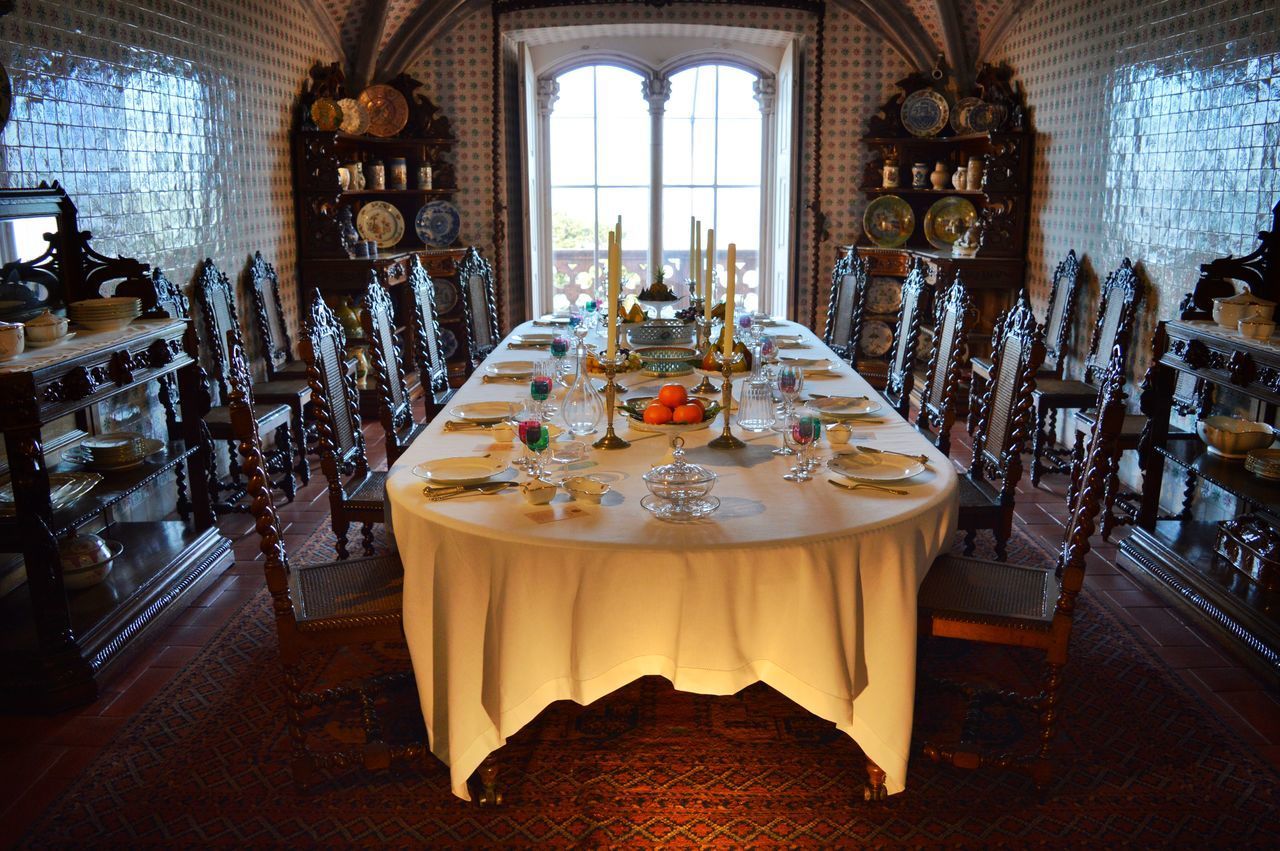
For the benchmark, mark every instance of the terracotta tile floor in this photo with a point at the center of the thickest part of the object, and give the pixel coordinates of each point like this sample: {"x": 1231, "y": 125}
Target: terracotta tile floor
{"x": 42, "y": 755}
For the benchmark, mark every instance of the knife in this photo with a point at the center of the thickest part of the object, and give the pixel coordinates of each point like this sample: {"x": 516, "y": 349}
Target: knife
{"x": 485, "y": 488}
{"x": 855, "y": 486}
{"x": 923, "y": 459}
{"x": 455, "y": 425}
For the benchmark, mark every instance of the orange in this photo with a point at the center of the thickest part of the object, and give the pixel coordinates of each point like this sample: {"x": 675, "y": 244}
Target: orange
{"x": 657, "y": 414}
{"x": 673, "y": 395}
{"x": 687, "y": 414}
{"x": 702, "y": 406}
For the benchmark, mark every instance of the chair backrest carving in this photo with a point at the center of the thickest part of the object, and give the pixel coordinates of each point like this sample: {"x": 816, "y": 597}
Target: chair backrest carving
{"x": 170, "y": 299}
{"x": 843, "y": 330}
{"x": 1006, "y": 421}
{"x": 479, "y": 305}
{"x": 333, "y": 391}
{"x": 378, "y": 319}
{"x": 1117, "y": 307}
{"x": 1061, "y": 311}
{"x": 942, "y": 379}
{"x": 217, "y": 300}
{"x": 257, "y": 486}
{"x": 273, "y": 333}
{"x": 901, "y": 377}
{"x": 1086, "y": 493}
{"x": 433, "y": 372}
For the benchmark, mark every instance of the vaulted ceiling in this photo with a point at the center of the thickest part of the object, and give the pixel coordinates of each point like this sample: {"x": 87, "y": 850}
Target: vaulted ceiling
{"x": 380, "y": 38}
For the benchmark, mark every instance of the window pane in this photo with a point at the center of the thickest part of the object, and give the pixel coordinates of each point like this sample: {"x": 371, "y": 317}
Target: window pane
{"x": 573, "y": 257}
{"x": 739, "y": 216}
{"x": 739, "y": 152}
{"x": 633, "y": 206}
{"x": 572, "y": 151}
{"x": 624, "y": 150}
{"x": 577, "y": 94}
{"x": 737, "y": 94}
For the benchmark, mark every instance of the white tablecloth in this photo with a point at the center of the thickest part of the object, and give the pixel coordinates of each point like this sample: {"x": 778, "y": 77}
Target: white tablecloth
{"x": 805, "y": 587}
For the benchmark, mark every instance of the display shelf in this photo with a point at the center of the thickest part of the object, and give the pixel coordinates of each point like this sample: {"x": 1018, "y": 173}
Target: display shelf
{"x": 417, "y": 142}
{"x": 432, "y": 193}
{"x": 956, "y": 140}
{"x": 908, "y": 190}
{"x": 1229, "y": 475}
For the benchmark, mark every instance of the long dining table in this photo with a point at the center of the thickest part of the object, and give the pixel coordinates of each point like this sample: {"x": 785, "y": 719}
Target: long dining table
{"x": 808, "y": 588}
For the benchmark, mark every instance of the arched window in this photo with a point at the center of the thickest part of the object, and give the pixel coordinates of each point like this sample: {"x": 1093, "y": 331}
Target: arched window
{"x": 656, "y": 149}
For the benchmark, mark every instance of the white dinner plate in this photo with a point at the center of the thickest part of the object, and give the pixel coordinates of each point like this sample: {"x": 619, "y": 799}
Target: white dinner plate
{"x": 510, "y": 368}
{"x": 841, "y": 407}
{"x": 875, "y": 466}
{"x": 533, "y": 339}
{"x": 804, "y": 362}
{"x": 828, "y": 371}
{"x": 483, "y": 412}
{"x": 788, "y": 341}
{"x": 470, "y": 470}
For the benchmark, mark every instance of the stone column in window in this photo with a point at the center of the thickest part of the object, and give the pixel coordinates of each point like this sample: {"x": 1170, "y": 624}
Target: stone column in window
{"x": 548, "y": 92}
{"x": 766, "y": 92}
{"x": 657, "y": 90}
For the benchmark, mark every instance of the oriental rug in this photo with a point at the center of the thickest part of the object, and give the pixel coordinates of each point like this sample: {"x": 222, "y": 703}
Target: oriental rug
{"x": 1143, "y": 762}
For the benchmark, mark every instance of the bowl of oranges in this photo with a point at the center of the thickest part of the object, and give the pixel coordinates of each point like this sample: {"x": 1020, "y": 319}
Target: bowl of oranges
{"x": 672, "y": 411}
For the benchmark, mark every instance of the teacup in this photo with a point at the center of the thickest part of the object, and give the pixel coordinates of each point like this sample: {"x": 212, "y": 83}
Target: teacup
{"x": 838, "y": 434}
{"x": 12, "y": 339}
{"x": 538, "y": 492}
{"x": 503, "y": 433}
{"x": 1257, "y": 329}
{"x": 586, "y": 489}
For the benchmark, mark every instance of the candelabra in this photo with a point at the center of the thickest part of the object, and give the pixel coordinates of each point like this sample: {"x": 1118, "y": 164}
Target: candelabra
{"x": 727, "y": 440}
{"x": 703, "y": 346}
{"x": 610, "y": 366}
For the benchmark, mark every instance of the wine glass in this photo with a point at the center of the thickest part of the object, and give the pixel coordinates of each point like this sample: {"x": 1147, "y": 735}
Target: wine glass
{"x": 591, "y": 308}
{"x": 790, "y": 385}
{"x": 559, "y": 348}
{"x": 782, "y": 422}
{"x": 527, "y": 424}
{"x": 540, "y": 385}
{"x": 805, "y": 432}
{"x": 537, "y": 440}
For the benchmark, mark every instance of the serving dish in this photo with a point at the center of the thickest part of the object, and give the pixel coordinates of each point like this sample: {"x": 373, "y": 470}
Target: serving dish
{"x": 889, "y": 221}
{"x": 1234, "y": 437}
{"x": 632, "y": 410}
{"x": 665, "y": 361}
{"x": 380, "y": 222}
{"x": 947, "y": 220}
{"x": 87, "y": 560}
{"x": 355, "y": 118}
{"x": 326, "y": 114}
{"x": 387, "y": 109}
{"x": 438, "y": 224}
{"x": 64, "y": 489}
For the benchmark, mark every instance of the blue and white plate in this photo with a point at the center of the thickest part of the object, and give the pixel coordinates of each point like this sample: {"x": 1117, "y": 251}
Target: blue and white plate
{"x": 438, "y": 224}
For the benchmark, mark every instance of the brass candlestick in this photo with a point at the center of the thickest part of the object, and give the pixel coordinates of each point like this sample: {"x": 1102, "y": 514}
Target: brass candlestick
{"x": 611, "y": 367}
{"x": 727, "y": 440}
{"x": 702, "y": 346}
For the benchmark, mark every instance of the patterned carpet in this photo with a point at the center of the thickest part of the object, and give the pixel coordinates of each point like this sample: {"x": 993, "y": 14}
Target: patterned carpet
{"x": 1143, "y": 763}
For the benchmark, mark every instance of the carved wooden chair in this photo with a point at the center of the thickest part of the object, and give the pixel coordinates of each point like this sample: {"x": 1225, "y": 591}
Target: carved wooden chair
{"x": 356, "y": 494}
{"x": 273, "y": 333}
{"x": 395, "y": 408}
{"x": 1117, "y": 306}
{"x": 942, "y": 379}
{"x": 901, "y": 377}
{"x": 320, "y": 607}
{"x": 217, "y": 300}
{"x": 1029, "y": 606}
{"x": 433, "y": 371}
{"x": 1003, "y": 429}
{"x": 479, "y": 306}
{"x": 843, "y": 331}
{"x": 1059, "y": 319}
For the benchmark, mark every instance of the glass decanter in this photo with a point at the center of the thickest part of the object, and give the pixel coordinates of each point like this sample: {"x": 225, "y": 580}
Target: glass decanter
{"x": 755, "y": 407}
{"x": 583, "y": 406}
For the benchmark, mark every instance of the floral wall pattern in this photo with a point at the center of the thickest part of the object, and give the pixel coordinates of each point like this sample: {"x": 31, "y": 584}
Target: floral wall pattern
{"x": 167, "y": 122}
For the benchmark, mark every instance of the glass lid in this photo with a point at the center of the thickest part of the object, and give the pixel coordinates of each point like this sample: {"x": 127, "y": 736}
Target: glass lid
{"x": 679, "y": 471}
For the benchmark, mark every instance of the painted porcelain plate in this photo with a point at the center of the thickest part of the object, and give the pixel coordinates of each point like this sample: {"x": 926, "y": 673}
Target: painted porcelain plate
{"x": 446, "y": 296}
{"x": 510, "y": 368}
{"x": 438, "y": 224}
{"x": 326, "y": 113}
{"x": 380, "y": 222}
{"x": 877, "y": 338}
{"x": 947, "y": 220}
{"x": 889, "y": 221}
{"x": 884, "y": 295}
{"x": 924, "y": 113}
{"x": 960, "y": 115}
{"x": 843, "y": 407}
{"x": 875, "y": 466}
{"x": 461, "y": 471}
{"x": 387, "y": 108}
{"x": 355, "y": 118}
{"x": 483, "y": 412}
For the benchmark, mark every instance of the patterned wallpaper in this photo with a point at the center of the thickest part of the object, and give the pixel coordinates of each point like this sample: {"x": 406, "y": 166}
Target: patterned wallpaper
{"x": 860, "y": 70}
{"x": 166, "y": 121}
{"x": 1159, "y": 128}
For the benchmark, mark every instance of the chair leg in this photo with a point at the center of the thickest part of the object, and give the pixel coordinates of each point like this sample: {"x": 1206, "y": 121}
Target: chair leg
{"x": 183, "y": 505}
{"x": 1041, "y": 767}
{"x": 1109, "y": 498}
{"x": 284, "y": 445}
{"x": 1003, "y": 531}
{"x": 302, "y": 764}
{"x": 977, "y": 387}
{"x": 874, "y": 790}
{"x": 300, "y": 440}
{"x": 340, "y": 528}
{"x": 1189, "y": 494}
{"x": 490, "y": 795}
{"x": 1037, "y": 447}
{"x": 366, "y": 537}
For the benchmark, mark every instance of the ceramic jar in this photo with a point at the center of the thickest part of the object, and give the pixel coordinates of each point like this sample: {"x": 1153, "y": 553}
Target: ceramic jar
{"x": 959, "y": 179}
{"x": 377, "y": 176}
{"x": 920, "y": 176}
{"x": 344, "y": 178}
{"x": 1228, "y": 311}
{"x": 356, "y": 172}
{"x": 425, "y": 177}
{"x": 12, "y": 340}
{"x": 974, "y": 178}
{"x": 397, "y": 173}
{"x": 46, "y": 328}
{"x": 889, "y": 176}
{"x": 940, "y": 177}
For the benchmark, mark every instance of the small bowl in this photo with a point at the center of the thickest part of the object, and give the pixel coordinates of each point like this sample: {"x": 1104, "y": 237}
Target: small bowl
{"x": 87, "y": 560}
{"x": 1257, "y": 329}
{"x": 586, "y": 489}
{"x": 538, "y": 492}
{"x": 1234, "y": 437}
{"x": 46, "y": 328}
{"x": 838, "y": 434}
{"x": 503, "y": 433}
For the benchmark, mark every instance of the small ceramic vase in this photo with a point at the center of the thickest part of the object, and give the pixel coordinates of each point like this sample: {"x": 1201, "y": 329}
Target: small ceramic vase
{"x": 940, "y": 177}
{"x": 425, "y": 177}
{"x": 397, "y": 173}
{"x": 356, "y": 170}
{"x": 344, "y": 178}
{"x": 974, "y": 179}
{"x": 920, "y": 176}
{"x": 12, "y": 340}
{"x": 377, "y": 176}
{"x": 889, "y": 176}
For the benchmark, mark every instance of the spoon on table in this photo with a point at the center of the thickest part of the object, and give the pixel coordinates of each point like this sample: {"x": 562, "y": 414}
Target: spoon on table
{"x": 855, "y": 486}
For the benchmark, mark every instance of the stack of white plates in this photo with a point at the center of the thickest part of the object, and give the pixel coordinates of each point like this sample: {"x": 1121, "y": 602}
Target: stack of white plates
{"x": 114, "y": 451}
{"x": 1264, "y": 463}
{"x": 105, "y": 314}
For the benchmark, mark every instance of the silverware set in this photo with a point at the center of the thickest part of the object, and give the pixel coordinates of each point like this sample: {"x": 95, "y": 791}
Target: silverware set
{"x": 857, "y": 486}
{"x": 504, "y": 379}
{"x": 485, "y": 489}
{"x": 923, "y": 459}
{"x": 456, "y": 425}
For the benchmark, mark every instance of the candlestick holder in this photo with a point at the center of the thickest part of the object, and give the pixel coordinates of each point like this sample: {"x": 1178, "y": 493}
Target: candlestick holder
{"x": 702, "y": 346}
{"x": 727, "y": 440}
{"x": 610, "y": 368}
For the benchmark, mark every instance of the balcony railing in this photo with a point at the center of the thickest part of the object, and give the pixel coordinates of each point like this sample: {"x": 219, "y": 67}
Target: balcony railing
{"x": 576, "y": 273}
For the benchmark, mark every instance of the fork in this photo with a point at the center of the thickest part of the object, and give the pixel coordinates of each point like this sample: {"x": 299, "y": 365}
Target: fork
{"x": 481, "y": 490}
{"x": 854, "y": 486}
{"x": 923, "y": 459}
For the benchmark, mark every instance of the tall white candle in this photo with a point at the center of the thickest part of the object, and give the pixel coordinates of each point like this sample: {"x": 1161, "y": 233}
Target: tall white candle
{"x": 708, "y": 283}
{"x": 730, "y": 260}
{"x": 693, "y": 240}
{"x": 612, "y": 316}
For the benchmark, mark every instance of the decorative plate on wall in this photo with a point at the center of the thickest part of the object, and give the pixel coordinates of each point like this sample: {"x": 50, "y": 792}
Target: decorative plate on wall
{"x": 380, "y": 222}
{"x": 438, "y": 224}
{"x": 946, "y": 220}
{"x": 387, "y": 108}
{"x": 448, "y": 343}
{"x": 326, "y": 114}
{"x": 446, "y": 296}
{"x": 884, "y": 295}
{"x": 924, "y": 113}
{"x": 889, "y": 221}
{"x": 960, "y": 115}
{"x": 877, "y": 338}
{"x": 355, "y": 118}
